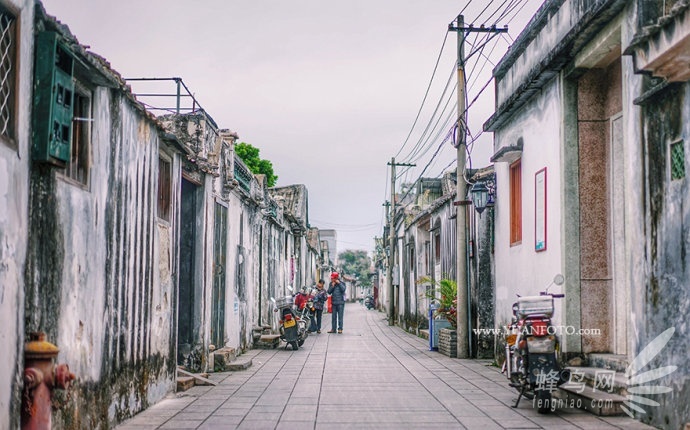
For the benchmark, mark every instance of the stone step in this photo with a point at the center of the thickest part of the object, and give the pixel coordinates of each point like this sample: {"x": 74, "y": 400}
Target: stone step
{"x": 222, "y": 358}
{"x": 608, "y": 361}
{"x": 240, "y": 363}
{"x": 601, "y": 379}
{"x": 184, "y": 383}
{"x": 267, "y": 341}
{"x": 203, "y": 380}
{"x": 591, "y": 400}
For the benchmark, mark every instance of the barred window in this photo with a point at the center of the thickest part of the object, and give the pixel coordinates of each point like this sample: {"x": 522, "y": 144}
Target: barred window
{"x": 677, "y": 160}
{"x": 79, "y": 164}
{"x": 8, "y": 68}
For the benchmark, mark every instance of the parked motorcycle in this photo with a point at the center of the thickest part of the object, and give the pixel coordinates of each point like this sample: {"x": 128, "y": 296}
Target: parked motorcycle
{"x": 287, "y": 322}
{"x": 532, "y": 348}
{"x": 369, "y": 301}
{"x": 304, "y": 317}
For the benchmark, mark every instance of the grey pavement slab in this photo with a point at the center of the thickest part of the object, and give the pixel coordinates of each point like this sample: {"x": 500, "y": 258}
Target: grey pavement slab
{"x": 373, "y": 376}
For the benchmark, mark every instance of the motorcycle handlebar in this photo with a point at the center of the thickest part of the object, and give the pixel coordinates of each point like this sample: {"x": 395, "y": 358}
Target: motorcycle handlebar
{"x": 555, "y": 296}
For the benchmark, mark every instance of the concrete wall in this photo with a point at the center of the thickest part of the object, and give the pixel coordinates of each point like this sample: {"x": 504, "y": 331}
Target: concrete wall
{"x": 666, "y": 297}
{"x": 519, "y": 268}
{"x": 14, "y": 225}
{"x": 97, "y": 282}
{"x": 546, "y": 33}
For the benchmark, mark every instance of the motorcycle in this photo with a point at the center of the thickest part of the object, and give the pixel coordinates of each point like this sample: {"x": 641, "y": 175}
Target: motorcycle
{"x": 369, "y": 302}
{"x": 288, "y": 327}
{"x": 304, "y": 317}
{"x": 532, "y": 347}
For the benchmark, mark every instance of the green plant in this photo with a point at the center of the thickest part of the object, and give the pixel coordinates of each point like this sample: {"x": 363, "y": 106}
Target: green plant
{"x": 445, "y": 294}
{"x": 250, "y": 156}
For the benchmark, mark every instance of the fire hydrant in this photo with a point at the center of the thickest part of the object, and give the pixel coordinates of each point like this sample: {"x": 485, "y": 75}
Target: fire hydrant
{"x": 41, "y": 377}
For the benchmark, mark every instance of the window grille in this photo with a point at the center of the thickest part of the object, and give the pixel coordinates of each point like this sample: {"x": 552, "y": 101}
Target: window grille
{"x": 7, "y": 72}
{"x": 677, "y": 160}
{"x": 78, "y": 166}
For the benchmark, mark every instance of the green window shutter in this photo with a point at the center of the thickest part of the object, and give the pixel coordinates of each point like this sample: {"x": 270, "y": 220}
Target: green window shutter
{"x": 53, "y": 100}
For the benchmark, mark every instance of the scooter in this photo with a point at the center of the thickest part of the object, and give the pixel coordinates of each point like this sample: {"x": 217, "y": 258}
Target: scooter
{"x": 288, "y": 327}
{"x": 369, "y": 302}
{"x": 532, "y": 348}
{"x": 304, "y": 317}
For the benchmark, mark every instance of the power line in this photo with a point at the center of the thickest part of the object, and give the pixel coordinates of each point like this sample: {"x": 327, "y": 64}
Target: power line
{"x": 496, "y": 11}
{"x": 517, "y": 12}
{"x": 438, "y": 59}
{"x": 418, "y": 152}
{"x": 415, "y": 149}
{"x": 466, "y": 6}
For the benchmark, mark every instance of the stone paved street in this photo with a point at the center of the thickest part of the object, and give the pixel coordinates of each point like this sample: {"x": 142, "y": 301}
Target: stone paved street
{"x": 371, "y": 376}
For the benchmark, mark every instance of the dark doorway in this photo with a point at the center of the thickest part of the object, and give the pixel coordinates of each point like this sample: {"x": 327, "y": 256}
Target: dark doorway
{"x": 187, "y": 299}
{"x": 220, "y": 234}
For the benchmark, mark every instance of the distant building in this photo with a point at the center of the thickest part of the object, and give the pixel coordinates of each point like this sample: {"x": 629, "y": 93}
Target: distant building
{"x": 330, "y": 236}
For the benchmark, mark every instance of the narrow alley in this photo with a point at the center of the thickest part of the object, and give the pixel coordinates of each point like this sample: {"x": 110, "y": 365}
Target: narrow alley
{"x": 371, "y": 376}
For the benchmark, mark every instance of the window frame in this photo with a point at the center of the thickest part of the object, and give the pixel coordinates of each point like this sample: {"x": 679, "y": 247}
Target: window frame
{"x": 10, "y": 138}
{"x": 515, "y": 178}
{"x": 164, "y": 194}
{"x": 82, "y": 156}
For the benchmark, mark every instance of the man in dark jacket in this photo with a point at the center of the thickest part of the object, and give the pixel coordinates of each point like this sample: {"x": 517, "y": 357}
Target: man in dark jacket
{"x": 337, "y": 292}
{"x": 320, "y": 298}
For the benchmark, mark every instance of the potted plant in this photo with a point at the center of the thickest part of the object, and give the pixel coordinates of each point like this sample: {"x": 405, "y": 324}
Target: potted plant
{"x": 445, "y": 294}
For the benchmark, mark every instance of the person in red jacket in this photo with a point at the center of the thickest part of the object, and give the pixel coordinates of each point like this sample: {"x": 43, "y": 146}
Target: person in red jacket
{"x": 301, "y": 298}
{"x": 337, "y": 292}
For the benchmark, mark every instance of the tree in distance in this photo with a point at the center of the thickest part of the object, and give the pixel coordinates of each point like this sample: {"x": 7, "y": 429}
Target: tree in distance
{"x": 250, "y": 155}
{"x": 356, "y": 263}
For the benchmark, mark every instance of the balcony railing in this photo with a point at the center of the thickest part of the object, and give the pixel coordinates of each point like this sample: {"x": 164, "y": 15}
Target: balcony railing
{"x": 243, "y": 175}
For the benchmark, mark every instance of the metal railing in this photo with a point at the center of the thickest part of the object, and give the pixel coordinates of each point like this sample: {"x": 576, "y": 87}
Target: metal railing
{"x": 242, "y": 174}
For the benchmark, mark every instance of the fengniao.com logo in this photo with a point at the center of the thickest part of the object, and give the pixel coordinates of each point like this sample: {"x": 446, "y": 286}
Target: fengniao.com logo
{"x": 638, "y": 388}
{"x": 639, "y": 384}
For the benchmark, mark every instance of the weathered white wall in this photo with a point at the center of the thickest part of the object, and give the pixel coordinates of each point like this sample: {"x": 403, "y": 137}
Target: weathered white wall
{"x": 116, "y": 316}
{"x": 546, "y": 40}
{"x": 520, "y": 269}
{"x": 14, "y": 193}
{"x": 232, "y": 330}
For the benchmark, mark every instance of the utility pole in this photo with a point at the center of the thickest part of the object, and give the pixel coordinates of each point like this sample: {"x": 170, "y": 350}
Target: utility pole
{"x": 463, "y": 314}
{"x": 391, "y": 243}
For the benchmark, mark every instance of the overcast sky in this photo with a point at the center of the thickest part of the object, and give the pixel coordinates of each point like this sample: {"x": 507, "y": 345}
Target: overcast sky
{"x": 327, "y": 90}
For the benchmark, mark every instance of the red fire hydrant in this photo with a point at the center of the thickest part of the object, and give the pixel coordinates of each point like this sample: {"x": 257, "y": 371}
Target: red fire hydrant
{"x": 41, "y": 376}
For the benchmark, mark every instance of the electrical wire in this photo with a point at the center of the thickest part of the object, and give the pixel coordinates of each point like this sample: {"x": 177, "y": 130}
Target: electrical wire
{"x": 466, "y": 6}
{"x": 525, "y": 2}
{"x": 415, "y": 149}
{"x": 418, "y": 153}
{"x": 422, "y": 152}
{"x": 426, "y": 94}
{"x": 496, "y": 11}
{"x": 478, "y": 47}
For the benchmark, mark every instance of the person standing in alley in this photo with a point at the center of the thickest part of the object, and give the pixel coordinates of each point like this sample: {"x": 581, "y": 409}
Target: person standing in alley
{"x": 337, "y": 292}
{"x": 301, "y": 299}
{"x": 320, "y": 298}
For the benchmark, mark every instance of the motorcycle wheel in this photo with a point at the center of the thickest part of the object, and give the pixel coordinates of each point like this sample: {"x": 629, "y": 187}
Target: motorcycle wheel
{"x": 293, "y": 344}
{"x": 543, "y": 401}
